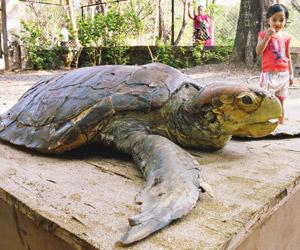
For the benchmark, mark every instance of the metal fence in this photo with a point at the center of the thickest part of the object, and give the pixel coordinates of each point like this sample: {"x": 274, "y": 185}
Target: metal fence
{"x": 50, "y": 18}
{"x": 224, "y": 22}
{"x": 293, "y": 23}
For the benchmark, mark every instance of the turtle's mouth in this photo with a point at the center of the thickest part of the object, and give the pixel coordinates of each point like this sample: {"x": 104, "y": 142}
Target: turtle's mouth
{"x": 258, "y": 129}
{"x": 263, "y": 121}
{"x": 275, "y": 120}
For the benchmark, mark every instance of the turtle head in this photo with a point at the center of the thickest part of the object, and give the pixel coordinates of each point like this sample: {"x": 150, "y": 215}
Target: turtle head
{"x": 237, "y": 110}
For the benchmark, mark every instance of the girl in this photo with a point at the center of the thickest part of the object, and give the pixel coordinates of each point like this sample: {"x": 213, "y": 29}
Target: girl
{"x": 273, "y": 44}
{"x": 202, "y": 26}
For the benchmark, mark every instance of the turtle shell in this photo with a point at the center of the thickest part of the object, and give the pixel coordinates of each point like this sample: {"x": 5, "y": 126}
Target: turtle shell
{"x": 69, "y": 109}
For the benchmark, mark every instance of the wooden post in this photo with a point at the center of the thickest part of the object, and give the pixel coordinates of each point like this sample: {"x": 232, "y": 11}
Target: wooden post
{"x": 172, "y": 25}
{"x": 4, "y": 30}
{"x": 73, "y": 21}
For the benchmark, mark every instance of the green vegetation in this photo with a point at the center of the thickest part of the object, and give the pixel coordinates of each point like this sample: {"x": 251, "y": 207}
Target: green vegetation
{"x": 105, "y": 30}
{"x": 180, "y": 57}
{"x": 175, "y": 57}
{"x": 36, "y": 44}
{"x": 106, "y": 36}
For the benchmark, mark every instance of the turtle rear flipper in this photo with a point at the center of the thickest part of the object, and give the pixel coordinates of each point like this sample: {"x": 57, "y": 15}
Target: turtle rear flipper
{"x": 172, "y": 186}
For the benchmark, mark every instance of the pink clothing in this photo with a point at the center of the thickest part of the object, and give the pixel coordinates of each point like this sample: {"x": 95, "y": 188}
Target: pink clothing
{"x": 199, "y": 19}
{"x": 203, "y": 18}
{"x": 275, "y": 56}
{"x": 209, "y": 42}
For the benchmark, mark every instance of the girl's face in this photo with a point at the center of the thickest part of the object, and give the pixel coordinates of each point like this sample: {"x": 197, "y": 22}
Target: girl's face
{"x": 200, "y": 10}
{"x": 277, "y": 21}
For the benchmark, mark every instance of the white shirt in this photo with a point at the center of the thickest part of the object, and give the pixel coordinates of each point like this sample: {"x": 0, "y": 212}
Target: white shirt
{"x": 65, "y": 34}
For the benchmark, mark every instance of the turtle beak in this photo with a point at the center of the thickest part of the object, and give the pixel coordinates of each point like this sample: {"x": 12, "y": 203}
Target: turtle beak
{"x": 264, "y": 120}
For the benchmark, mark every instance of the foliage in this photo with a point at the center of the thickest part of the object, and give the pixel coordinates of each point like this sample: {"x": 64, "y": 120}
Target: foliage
{"x": 91, "y": 34}
{"x": 137, "y": 12}
{"x": 181, "y": 57}
{"x": 114, "y": 29}
{"x": 212, "y": 9}
{"x": 197, "y": 54}
{"x": 225, "y": 31}
{"x": 105, "y": 30}
{"x": 116, "y": 25}
{"x": 166, "y": 55}
{"x": 176, "y": 58}
{"x": 36, "y": 44}
{"x": 215, "y": 55}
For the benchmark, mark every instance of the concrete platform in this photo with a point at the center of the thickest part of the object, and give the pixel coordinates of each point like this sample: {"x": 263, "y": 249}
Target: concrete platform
{"x": 82, "y": 200}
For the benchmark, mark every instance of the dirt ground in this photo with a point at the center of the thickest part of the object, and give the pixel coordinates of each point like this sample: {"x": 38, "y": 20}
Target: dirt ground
{"x": 92, "y": 195}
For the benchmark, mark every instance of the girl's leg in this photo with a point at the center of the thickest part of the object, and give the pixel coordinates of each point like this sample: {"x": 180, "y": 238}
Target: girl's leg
{"x": 281, "y": 119}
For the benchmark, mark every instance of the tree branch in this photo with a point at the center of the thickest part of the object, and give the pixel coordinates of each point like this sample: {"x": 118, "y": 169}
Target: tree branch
{"x": 182, "y": 25}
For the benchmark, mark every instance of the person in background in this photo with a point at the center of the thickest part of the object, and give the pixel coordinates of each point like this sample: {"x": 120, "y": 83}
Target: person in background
{"x": 202, "y": 26}
{"x": 66, "y": 52}
{"x": 64, "y": 35}
{"x": 274, "y": 47}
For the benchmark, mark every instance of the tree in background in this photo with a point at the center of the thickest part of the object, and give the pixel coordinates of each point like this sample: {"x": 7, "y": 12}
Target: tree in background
{"x": 251, "y": 21}
{"x": 109, "y": 29}
{"x": 183, "y": 24}
{"x": 137, "y": 12}
{"x": 73, "y": 22}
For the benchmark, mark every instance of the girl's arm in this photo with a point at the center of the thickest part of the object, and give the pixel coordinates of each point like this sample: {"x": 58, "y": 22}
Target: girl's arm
{"x": 291, "y": 71}
{"x": 189, "y": 11}
{"x": 262, "y": 43}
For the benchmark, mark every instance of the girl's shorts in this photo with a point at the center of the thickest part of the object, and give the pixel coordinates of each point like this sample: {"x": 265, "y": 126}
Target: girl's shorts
{"x": 276, "y": 82}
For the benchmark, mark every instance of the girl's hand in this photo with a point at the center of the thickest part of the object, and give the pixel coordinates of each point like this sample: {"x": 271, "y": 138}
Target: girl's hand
{"x": 291, "y": 80}
{"x": 270, "y": 32}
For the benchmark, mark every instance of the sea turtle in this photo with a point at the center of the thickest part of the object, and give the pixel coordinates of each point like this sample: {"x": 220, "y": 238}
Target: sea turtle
{"x": 148, "y": 112}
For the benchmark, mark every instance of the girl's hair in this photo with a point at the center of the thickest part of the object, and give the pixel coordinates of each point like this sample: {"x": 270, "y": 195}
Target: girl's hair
{"x": 277, "y": 8}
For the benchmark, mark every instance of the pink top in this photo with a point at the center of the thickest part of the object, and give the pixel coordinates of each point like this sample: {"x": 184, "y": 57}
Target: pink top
{"x": 200, "y": 18}
{"x": 275, "y": 56}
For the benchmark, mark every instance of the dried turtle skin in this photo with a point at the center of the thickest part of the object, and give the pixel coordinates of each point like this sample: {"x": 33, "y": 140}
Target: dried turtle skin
{"x": 149, "y": 112}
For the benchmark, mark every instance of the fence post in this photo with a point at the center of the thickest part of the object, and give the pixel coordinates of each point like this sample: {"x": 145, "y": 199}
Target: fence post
{"x": 4, "y": 30}
{"x": 172, "y": 25}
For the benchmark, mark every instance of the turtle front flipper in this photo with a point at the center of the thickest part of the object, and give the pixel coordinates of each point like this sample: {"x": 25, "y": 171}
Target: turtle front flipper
{"x": 172, "y": 184}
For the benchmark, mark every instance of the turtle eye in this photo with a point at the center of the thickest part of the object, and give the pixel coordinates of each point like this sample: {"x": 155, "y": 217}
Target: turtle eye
{"x": 247, "y": 100}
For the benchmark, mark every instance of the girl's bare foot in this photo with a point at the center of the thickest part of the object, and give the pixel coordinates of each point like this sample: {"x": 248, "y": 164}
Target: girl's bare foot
{"x": 281, "y": 120}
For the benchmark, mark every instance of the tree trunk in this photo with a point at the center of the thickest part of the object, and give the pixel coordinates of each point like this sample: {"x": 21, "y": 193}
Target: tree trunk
{"x": 183, "y": 24}
{"x": 251, "y": 21}
{"x": 163, "y": 33}
{"x": 5, "y": 37}
{"x": 249, "y": 24}
{"x": 266, "y": 4}
{"x": 73, "y": 22}
{"x": 156, "y": 21}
